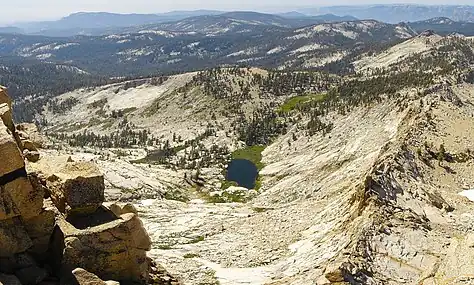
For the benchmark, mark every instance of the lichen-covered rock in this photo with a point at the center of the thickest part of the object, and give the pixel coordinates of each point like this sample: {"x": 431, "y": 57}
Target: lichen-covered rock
{"x": 113, "y": 250}
{"x": 13, "y": 237}
{"x": 9, "y": 152}
{"x": 27, "y": 200}
{"x": 74, "y": 187}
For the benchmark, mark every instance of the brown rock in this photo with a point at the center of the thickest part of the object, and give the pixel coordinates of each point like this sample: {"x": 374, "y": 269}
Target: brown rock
{"x": 31, "y": 156}
{"x": 9, "y": 280}
{"x": 29, "y": 145}
{"x": 113, "y": 250}
{"x": 30, "y": 132}
{"x": 334, "y": 273}
{"x": 84, "y": 277}
{"x": 120, "y": 208}
{"x": 13, "y": 237}
{"x": 27, "y": 200}
{"x": 9, "y": 152}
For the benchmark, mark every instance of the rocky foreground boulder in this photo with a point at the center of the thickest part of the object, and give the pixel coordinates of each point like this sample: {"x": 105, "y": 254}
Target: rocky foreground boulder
{"x": 53, "y": 226}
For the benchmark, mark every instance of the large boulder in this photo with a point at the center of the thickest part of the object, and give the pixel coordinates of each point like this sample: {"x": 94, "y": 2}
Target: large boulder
{"x": 74, "y": 187}
{"x": 111, "y": 247}
{"x": 13, "y": 237}
{"x": 12, "y": 158}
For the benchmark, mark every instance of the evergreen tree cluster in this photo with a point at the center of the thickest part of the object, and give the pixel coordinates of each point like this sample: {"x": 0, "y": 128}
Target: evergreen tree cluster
{"x": 261, "y": 127}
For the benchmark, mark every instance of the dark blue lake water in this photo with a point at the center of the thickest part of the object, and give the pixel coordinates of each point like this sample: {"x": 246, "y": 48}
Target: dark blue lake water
{"x": 242, "y": 171}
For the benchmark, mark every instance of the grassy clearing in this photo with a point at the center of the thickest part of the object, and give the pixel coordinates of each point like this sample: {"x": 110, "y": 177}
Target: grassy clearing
{"x": 293, "y": 102}
{"x": 251, "y": 153}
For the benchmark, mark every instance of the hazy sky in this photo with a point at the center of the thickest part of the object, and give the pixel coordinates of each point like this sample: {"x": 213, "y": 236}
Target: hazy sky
{"x": 28, "y": 10}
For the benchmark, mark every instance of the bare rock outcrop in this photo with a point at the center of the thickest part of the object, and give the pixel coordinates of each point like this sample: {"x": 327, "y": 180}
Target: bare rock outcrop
{"x": 51, "y": 216}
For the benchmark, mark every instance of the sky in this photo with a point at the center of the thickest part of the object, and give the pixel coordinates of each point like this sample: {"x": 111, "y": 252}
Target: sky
{"x": 33, "y": 10}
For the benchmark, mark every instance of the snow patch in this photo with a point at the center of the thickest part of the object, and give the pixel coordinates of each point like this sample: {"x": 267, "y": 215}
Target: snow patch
{"x": 44, "y": 56}
{"x": 249, "y": 51}
{"x": 469, "y": 194}
{"x": 58, "y": 47}
{"x": 275, "y": 50}
{"x": 307, "y": 48}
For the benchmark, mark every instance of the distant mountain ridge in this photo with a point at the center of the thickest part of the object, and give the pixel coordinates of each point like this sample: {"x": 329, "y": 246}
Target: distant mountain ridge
{"x": 101, "y": 23}
{"x": 396, "y": 13}
{"x": 444, "y": 26}
{"x": 238, "y": 22}
{"x": 95, "y": 23}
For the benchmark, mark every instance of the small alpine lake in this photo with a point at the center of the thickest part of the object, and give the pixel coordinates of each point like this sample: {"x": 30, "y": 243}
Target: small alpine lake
{"x": 242, "y": 171}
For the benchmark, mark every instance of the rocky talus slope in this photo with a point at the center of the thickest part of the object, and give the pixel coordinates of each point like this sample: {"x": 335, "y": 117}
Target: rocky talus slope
{"x": 54, "y": 225}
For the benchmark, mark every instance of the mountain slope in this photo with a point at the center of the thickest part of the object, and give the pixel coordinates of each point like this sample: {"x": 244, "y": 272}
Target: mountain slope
{"x": 361, "y": 180}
